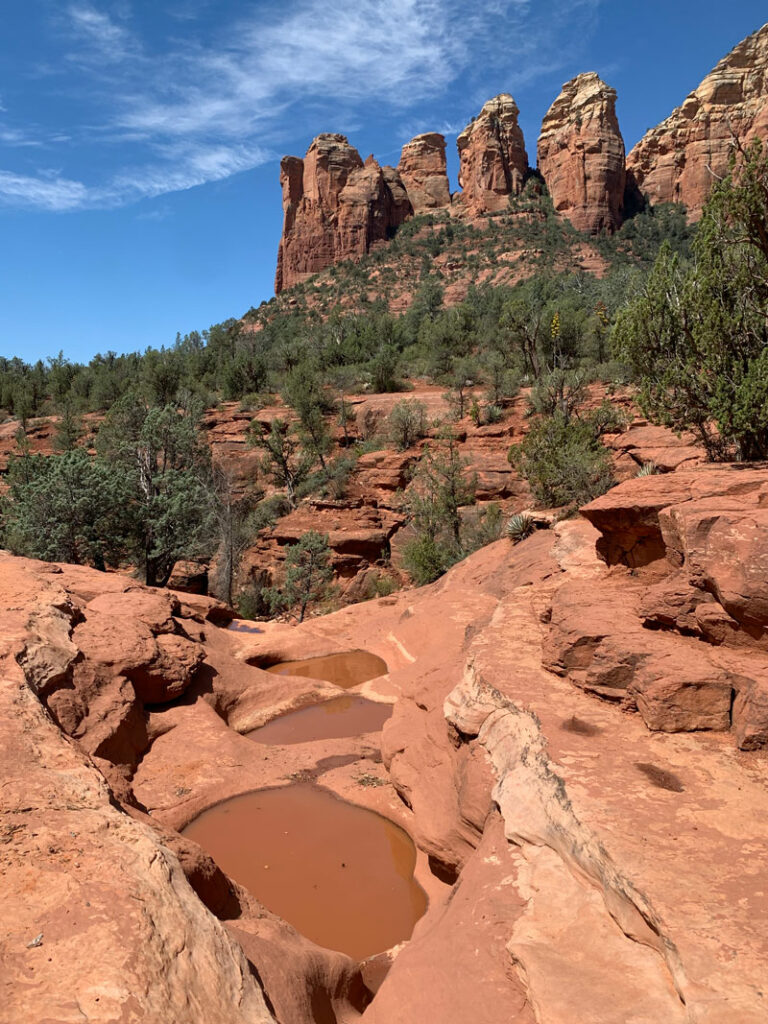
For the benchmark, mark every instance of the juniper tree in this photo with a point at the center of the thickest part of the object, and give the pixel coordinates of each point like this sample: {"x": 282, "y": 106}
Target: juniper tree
{"x": 697, "y": 335}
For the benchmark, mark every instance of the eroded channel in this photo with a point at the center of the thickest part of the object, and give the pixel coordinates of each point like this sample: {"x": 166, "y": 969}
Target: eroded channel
{"x": 344, "y": 670}
{"x": 340, "y": 874}
{"x": 334, "y": 719}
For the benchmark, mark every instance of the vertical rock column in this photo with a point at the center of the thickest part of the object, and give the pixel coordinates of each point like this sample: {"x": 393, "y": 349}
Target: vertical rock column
{"x": 581, "y": 155}
{"x": 424, "y": 174}
{"x": 335, "y": 207}
{"x": 493, "y": 160}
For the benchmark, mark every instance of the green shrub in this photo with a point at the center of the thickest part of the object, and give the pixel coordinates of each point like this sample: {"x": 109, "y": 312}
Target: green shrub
{"x": 564, "y": 462}
{"x": 426, "y": 558}
{"x": 407, "y": 424}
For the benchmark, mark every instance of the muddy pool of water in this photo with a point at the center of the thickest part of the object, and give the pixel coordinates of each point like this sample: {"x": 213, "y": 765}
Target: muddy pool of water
{"x": 343, "y": 716}
{"x": 340, "y": 874}
{"x": 345, "y": 670}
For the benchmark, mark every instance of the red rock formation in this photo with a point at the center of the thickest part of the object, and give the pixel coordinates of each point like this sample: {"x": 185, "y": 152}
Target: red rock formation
{"x": 581, "y": 155}
{"x": 422, "y": 169}
{"x": 677, "y": 161}
{"x": 493, "y": 157}
{"x": 335, "y": 208}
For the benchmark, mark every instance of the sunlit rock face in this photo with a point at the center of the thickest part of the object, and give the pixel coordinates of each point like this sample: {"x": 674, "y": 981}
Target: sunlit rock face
{"x": 493, "y": 160}
{"x": 335, "y": 207}
{"x": 680, "y": 159}
{"x": 581, "y": 155}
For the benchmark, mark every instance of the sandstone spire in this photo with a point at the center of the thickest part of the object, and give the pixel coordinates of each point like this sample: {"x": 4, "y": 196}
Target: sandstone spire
{"x": 423, "y": 171}
{"x": 493, "y": 158}
{"x": 581, "y": 155}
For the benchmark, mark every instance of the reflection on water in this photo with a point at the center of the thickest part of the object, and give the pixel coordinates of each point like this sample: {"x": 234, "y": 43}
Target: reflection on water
{"x": 342, "y": 716}
{"x": 344, "y": 670}
{"x": 341, "y": 875}
{"x": 243, "y": 627}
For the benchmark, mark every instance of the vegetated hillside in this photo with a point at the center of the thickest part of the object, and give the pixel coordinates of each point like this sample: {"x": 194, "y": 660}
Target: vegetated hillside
{"x": 298, "y": 440}
{"x": 460, "y": 254}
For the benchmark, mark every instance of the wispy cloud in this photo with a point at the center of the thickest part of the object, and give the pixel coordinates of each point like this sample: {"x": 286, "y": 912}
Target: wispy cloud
{"x": 55, "y": 195}
{"x": 102, "y": 35}
{"x": 203, "y": 107}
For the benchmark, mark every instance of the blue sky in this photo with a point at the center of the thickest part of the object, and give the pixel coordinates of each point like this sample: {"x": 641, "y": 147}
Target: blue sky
{"x": 140, "y": 141}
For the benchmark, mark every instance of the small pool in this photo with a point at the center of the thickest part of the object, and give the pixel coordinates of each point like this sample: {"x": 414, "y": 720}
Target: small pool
{"x": 344, "y": 670}
{"x": 343, "y": 716}
{"x": 340, "y": 874}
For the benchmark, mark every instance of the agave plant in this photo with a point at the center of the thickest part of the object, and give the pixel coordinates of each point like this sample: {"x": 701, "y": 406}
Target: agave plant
{"x": 648, "y": 469}
{"x": 520, "y": 526}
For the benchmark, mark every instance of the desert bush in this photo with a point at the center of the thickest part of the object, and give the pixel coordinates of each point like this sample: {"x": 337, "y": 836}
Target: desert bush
{"x": 564, "y": 462}
{"x": 407, "y": 424}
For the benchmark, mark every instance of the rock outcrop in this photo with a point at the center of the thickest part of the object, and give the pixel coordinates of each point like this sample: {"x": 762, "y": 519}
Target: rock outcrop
{"x": 493, "y": 160}
{"x": 335, "y": 207}
{"x": 552, "y": 751}
{"x": 422, "y": 169}
{"x": 581, "y": 155}
{"x": 680, "y": 159}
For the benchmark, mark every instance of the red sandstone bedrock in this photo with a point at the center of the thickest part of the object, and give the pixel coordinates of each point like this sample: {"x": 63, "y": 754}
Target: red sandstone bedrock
{"x": 622, "y": 861}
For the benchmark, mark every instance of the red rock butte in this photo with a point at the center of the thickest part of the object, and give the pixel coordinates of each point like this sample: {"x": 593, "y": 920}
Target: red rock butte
{"x": 493, "y": 160}
{"x": 337, "y": 208}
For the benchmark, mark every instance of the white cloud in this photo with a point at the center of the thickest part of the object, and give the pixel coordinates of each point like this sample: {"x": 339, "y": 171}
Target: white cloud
{"x": 102, "y": 35}
{"x": 200, "y": 109}
{"x": 190, "y": 169}
{"x": 55, "y": 195}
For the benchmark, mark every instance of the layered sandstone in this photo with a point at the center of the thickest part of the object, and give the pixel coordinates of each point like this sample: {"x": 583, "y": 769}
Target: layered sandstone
{"x": 422, "y": 169}
{"x": 552, "y": 751}
{"x": 335, "y": 207}
{"x": 581, "y": 155}
{"x": 493, "y": 160}
{"x": 680, "y": 159}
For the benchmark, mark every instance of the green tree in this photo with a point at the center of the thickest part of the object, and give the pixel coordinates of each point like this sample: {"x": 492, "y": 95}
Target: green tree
{"x": 304, "y": 393}
{"x": 167, "y": 464}
{"x": 441, "y": 487}
{"x": 407, "y": 423}
{"x": 68, "y": 430}
{"x": 67, "y": 508}
{"x": 285, "y": 459}
{"x": 308, "y": 575}
{"x": 563, "y": 461}
{"x": 697, "y": 336}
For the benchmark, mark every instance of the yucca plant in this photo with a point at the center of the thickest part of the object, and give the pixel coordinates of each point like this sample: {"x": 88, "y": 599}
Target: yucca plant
{"x": 648, "y": 469}
{"x": 520, "y": 526}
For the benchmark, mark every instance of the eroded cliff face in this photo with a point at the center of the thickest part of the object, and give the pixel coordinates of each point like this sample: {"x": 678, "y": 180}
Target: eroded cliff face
{"x": 680, "y": 159}
{"x": 335, "y": 207}
{"x": 493, "y": 160}
{"x": 581, "y": 155}
{"x": 422, "y": 169}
